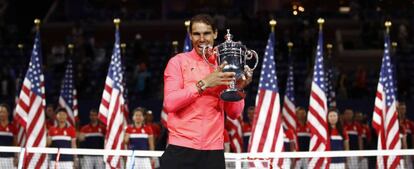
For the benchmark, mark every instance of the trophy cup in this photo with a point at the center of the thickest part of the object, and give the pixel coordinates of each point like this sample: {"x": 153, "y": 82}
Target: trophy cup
{"x": 236, "y": 55}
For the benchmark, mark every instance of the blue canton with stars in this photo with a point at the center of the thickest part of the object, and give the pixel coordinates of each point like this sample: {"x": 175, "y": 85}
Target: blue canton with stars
{"x": 67, "y": 86}
{"x": 268, "y": 78}
{"x": 34, "y": 72}
{"x": 330, "y": 89}
{"x": 386, "y": 75}
{"x": 318, "y": 75}
{"x": 115, "y": 69}
{"x": 187, "y": 43}
{"x": 290, "y": 86}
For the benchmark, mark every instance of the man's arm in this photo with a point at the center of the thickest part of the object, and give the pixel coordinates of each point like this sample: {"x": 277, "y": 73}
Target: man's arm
{"x": 176, "y": 95}
{"x": 49, "y": 141}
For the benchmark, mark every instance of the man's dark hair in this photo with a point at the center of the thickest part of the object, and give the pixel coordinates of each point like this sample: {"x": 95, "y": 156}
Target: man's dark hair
{"x": 203, "y": 18}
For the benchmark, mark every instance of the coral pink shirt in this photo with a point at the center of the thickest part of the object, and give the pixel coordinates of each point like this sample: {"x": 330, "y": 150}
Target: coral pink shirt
{"x": 195, "y": 120}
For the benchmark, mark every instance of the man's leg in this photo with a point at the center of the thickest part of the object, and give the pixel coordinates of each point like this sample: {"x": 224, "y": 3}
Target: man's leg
{"x": 212, "y": 159}
{"x": 177, "y": 157}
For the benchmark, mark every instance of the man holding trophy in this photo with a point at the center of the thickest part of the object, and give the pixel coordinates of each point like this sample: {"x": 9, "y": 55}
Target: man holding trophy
{"x": 199, "y": 87}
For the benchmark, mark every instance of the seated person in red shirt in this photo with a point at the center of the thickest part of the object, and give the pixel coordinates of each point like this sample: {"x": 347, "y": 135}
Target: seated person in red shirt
{"x": 339, "y": 140}
{"x": 62, "y": 136}
{"x": 139, "y": 136}
{"x": 92, "y": 136}
{"x": 7, "y": 138}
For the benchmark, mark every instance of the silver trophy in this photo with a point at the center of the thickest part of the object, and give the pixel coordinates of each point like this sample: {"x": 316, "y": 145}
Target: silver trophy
{"x": 236, "y": 55}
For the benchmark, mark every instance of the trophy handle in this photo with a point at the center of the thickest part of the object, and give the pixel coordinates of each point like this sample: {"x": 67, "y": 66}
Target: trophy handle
{"x": 249, "y": 55}
{"x": 207, "y": 48}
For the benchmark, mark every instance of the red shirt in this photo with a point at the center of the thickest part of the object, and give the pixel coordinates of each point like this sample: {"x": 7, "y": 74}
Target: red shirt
{"x": 156, "y": 129}
{"x": 7, "y": 134}
{"x": 353, "y": 131}
{"x": 195, "y": 120}
{"x": 408, "y": 125}
{"x": 365, "y": 132}
{"x": 138, "y": 137}
{"x": 62, "y": 138}
{"x": 288, "y": 138}
{"x": 50, "y": 123}
{"x": 247, "y": 129}
{"x": 94, "y": 136}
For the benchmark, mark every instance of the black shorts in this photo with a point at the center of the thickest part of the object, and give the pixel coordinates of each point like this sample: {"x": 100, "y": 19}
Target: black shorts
{"x": 177, "y": 157}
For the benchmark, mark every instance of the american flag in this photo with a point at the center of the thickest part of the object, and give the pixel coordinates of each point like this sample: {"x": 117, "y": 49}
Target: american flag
{"x": 235, "y": 131}
{"x": 385, "y": 117}
{"x": 125, "y": 93}
{"x": 112, "y": 108}
{"x": 30, "y": 109}
{"x": 288, "y": 109}
{"x": 187, "y": 43}
{"x": 330, "y": 84}
{"x": 318, "y": 108}
{"x": 68, "y": 97}
{"x": 21, "y": 135}
{"x": 267, "y": 132}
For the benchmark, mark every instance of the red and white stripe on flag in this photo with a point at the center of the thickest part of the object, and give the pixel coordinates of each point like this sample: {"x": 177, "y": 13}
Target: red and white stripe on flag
{"x": 68, "y": 96}
{"x": 289, "y": 114}
{"x": 318, "y": 109}
{"x": 288, "y": 109}
{"x": 385, "y": 116}
{"x": 112, "y": 108}
{"x": 234, "y": 126}
{"x": 267, "y": 132}
{"x": 30, "y": 109}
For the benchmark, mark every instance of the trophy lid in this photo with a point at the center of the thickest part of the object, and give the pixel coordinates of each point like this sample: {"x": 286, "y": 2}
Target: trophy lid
{"x": 228, "y": 36}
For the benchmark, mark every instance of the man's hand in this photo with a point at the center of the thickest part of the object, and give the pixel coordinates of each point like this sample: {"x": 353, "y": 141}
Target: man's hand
{"x": 246, "y": 78}
{"x": 218, "y": 77}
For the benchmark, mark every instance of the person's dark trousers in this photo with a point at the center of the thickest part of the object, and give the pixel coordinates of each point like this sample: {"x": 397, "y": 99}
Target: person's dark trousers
{"x": 177, "y": 157}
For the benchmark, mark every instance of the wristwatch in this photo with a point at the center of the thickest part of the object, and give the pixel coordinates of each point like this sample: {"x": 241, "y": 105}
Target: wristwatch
{"x": 201, "y": 86}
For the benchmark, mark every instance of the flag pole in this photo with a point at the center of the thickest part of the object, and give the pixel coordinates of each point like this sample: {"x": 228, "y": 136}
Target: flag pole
{"x": 20, "y": 46}
{"x": 123, "y": 49}
{"x": 175, "y": 46}
{"x": 387, "y": 26}
{"x": 290, "y": 46}
{"x": 187, "y": 25}
{"x": 394, "y": 47}
{"x": 117, "y": 21}
{"x": 70, "y": 47}
{"x": 321, "y": 21}
{"x": 37, "y": 24}
{"x": 329, "y": 46}
{"x": 272, "y": 24}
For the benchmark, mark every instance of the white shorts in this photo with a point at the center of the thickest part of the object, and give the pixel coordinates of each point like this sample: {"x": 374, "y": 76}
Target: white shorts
{"x": 337, "y": 166}
{"x": 353, "y": 162}
{"x": 302, "y": 163}
{"x": 92, "y": 162}
{"x": 61, "y": 164}
{"x": 139, "y": 163}
{"x": 7, "y": 162}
